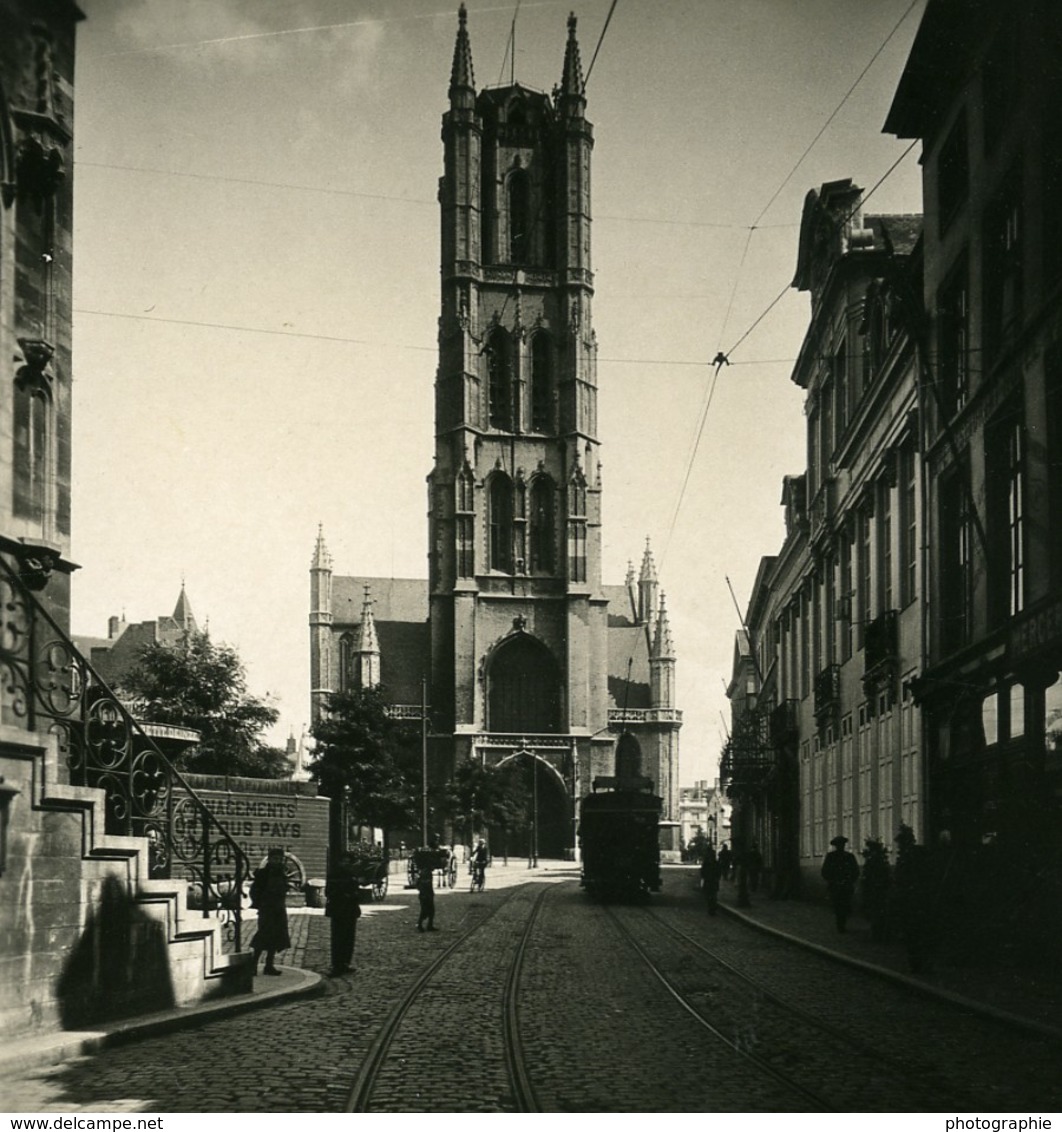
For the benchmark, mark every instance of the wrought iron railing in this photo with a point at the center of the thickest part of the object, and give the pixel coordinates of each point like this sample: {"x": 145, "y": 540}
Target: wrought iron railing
{"x": 47, "y": 686}
{"x": 748, "y": 754}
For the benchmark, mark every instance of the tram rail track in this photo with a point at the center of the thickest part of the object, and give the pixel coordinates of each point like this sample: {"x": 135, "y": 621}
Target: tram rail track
{"x": 847, "y": 1037}
{"x": 376, "y": 1057}
{"x": 741, "y": 1049}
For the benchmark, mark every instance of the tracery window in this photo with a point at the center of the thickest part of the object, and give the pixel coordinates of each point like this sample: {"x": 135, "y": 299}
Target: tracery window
{"x": 32, "y": 438}
{"x": 541, "y": 382}
{"x": 500, "y": 379}
{"x": 542, "y": 524}
{"x": 501, "y": 522}
{"x": 523, "y": 688}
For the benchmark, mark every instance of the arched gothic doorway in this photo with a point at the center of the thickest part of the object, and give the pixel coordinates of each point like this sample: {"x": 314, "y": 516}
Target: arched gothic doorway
{"x": 543, "y": 827}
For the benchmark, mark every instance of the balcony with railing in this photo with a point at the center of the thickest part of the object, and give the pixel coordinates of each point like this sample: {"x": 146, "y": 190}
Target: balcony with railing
{"x": 48, "y": 687}
{"x": 748, "y": 755}
{"x": 784, "y": 723}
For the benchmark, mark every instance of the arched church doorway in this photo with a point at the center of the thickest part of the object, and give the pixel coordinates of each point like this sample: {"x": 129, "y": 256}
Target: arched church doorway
{"x": 542, "y": 821}
{"x": 523, "y": 688}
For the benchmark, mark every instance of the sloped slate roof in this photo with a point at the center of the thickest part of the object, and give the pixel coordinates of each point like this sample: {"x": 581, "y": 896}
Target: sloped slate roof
{"x": 394, "y": 599}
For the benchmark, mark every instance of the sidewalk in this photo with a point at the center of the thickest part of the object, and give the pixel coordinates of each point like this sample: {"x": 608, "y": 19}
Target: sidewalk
{"x": 52, "y": 1048}
{"x": 1026, "y": 997}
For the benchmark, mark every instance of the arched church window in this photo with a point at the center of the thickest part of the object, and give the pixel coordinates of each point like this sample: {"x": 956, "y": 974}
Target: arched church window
{"x": 577, "y": 496}
{"x": 519, "y": 191}
{"x": 348, "y": 676}
{"x": 32, "y": 436}
{"x": 520, "y": 525}
{"x": 542, "y": 524}
{"x": 465, "y": 524}
{"x": 541, "y": 382}
{"x": 523, "y": 695}
{"x": 577, "y": 528}
{"x": 499, "y": 379}
{"x": 501, "y": 522}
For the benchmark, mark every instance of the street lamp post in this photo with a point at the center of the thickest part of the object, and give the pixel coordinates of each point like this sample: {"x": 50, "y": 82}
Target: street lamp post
{"x": 532, "y": 854}
{"x": 423, "y": 760}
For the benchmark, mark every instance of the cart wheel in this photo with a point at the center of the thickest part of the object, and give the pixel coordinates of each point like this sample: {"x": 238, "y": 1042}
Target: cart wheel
{"x": 379, "y": 888}
{"x": 294, "y": 873}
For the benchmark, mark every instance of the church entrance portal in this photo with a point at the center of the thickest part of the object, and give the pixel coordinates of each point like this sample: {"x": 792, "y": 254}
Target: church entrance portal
{"x": 546, "y": 816}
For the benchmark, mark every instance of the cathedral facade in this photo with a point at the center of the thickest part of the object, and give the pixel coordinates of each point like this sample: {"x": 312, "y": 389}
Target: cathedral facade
{"x": 513, "y": 643}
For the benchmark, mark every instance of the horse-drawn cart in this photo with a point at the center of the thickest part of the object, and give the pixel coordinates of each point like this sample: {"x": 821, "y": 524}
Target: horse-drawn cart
{"x": 371, "y": 873}
{"x": 442, "y": 863}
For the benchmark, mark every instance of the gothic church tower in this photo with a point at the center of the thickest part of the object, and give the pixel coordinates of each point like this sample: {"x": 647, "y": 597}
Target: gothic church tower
{"x": 518, "y": 618}
{"x": 528, "y": 657}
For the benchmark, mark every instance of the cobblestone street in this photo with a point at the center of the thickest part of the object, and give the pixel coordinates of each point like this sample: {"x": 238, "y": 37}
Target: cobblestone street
{"x": 588, "y": 998}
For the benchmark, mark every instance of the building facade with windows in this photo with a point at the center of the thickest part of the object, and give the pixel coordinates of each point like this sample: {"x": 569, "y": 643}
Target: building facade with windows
{"x": 825, "y": 734}
{"x": 983, "y": 92}
{"x": 524, "y": 652}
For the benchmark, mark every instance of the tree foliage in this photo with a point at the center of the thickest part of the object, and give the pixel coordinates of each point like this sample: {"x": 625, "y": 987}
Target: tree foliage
{"x": 361, "y": 749}
{"x": 479, "y": 796}
{"x": 202, "y": 685}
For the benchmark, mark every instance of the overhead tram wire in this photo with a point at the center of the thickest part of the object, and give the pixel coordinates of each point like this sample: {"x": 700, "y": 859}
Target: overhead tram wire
{"x": 722, "y": 358}
{"x": 840, "y": 105}
{"x": 725, "y": 357}
{"x": 601, "y": 39}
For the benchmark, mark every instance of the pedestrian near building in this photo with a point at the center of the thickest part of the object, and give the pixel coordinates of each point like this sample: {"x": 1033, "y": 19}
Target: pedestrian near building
{"x": 269, "y": 891}
{"x": 710, "y": 880}
{"x": 343, "y": 907}
{"x": 725, "y": 861}
{"x": 840, "y": 871}
{"x": 427, "y": 861}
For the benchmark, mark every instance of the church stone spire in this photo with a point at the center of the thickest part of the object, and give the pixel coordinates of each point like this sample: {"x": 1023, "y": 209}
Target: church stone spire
{"x": 648, "y": 587}
{"x": 183, "y": 614}
{"x": 320, "y": 625}
{"x": 462, "y": 77}
{"x": 663, "y": 647}
{"x": 367, "y": 646}
{"x": 662, "y": 662}
{"x": 571, "y": 88}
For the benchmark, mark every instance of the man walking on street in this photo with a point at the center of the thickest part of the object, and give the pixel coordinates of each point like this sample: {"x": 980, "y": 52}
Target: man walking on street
{"x": 343, "y": 907}
{"x": 840, "y": 871}
{"x": 427, "y": 861}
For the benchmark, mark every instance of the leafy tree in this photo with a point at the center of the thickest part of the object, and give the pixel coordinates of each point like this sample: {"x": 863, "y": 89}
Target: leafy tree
{"x": 479, "y": 796}
{"x": 202, "y": 685}
{"x": 361, "y": 749}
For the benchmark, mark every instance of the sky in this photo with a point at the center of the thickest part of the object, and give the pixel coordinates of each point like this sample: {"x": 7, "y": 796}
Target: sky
{"x": 256, "y": 292}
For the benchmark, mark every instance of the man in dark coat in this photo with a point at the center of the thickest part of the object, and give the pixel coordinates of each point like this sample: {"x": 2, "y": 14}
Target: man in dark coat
{"x": 710, "y": 880}
{"x": 725, "y": 861}
{"x": 840, "y": 871}
{"x": 343, "y": 907}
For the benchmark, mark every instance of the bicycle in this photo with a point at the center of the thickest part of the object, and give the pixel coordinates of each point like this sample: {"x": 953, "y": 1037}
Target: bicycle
{"x": 479, "y": 877}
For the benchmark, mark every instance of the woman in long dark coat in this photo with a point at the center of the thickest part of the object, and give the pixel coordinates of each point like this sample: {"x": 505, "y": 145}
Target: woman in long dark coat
{"x": 269, "y": 892}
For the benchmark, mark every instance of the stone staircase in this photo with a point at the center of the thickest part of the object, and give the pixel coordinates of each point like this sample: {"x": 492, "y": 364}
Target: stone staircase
{"x": 86, "y": 935}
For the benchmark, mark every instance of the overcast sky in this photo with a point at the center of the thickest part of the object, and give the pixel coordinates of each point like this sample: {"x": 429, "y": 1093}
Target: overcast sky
{"x": 256, "y": 292}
